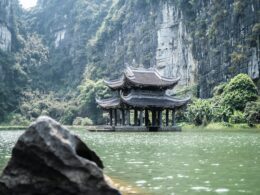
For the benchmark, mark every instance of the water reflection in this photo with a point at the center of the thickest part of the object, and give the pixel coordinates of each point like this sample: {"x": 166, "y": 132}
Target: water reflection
{"x": 184, "y": 163}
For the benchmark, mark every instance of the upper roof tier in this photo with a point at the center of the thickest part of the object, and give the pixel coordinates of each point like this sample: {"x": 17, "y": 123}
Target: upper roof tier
{"x": 142, "y": 78}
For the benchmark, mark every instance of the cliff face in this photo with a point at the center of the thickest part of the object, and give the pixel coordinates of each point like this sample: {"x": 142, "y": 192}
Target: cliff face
{"x": 65, "y": 29}
{"x": 225, "y": 40}
{"x": 174, "y": 55}
{"x": 7, "y": 33}
{"x": 12, "y": 78}
{"x": 203, "y": 42}
{"x": 5, "y": 25}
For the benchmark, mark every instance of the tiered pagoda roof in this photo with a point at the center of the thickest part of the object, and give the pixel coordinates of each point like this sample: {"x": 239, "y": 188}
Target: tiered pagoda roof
{"x": 141, "y": 78}
{"x": 114, "y": 102}
{"x": 143, "y": 88}
{"x": 140, "y": 99}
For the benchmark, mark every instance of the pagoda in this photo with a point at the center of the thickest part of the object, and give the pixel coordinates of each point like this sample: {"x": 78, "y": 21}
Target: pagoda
{"x": 142, "y": 92}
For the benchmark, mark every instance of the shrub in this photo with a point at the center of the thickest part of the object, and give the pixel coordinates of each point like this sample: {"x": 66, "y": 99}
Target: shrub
{"x": 221, "y": 114}
{"x": 179, "y": 115}
{"x": 89, "y": 91}
{"x": 199, "y": 112}
{"x": 82, "y": 121}
{"x": 69, "y": 115}
{"x": 237, "y": 117}
{"x": 77, "y": 121}
{"x": 256, "y": 28}
{"x": 252, "y": 113}
{"x": 237, "y": 57}
{"x": 219, "y": 89}
{"x": 18, "y": 119}
{"x": 240, "y": 90}
{"x": 86, "y": 121}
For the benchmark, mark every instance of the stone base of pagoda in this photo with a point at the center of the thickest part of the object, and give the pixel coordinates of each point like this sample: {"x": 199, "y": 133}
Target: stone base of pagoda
{"x": 133, "y": 129}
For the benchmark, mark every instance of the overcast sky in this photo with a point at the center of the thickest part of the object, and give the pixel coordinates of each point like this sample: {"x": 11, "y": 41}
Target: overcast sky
{"x": 28, "y": 3}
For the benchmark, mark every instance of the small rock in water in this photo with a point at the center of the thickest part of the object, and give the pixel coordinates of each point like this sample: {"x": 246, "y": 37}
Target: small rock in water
{"x": 47, "y": 159}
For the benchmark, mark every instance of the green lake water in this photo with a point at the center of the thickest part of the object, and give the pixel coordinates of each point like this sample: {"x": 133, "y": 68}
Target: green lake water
{"x": 173, "y": 163}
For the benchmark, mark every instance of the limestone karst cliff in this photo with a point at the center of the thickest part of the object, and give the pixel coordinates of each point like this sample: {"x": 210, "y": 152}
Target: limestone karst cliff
{"x": 65, "y": 29}
{"x": 225, "y": 40}
{"x": 11, "y": 76}
{"x": 5, "y": 25}
{"x": 203, "y": 42}
{"x": 55, "y": 45}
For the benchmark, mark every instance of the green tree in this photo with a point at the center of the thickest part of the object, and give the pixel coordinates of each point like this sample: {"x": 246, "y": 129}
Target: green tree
{"x": 252, "y": 113}
{"x": 200, "y": 112}
{"x": 240, "y": 90}
{"x": 89, "y": 90}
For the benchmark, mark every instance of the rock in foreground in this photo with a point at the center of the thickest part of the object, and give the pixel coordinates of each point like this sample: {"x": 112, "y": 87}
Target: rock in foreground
{"x": 47, "y": 159}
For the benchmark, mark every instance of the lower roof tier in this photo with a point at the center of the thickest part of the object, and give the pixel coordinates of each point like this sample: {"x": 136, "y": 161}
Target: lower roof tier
{"x": 142, "y": 100}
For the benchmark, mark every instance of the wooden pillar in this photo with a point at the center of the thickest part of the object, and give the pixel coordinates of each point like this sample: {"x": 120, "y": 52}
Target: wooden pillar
{"x": 141, "y": 118}
{"x": 146, "y": 119}
{"x": 160, "y": 118}
{"x": 135, "y": 116}
{"x": 173, "y": 117}
{"x": 153, "y": 118}
{"x": 119, "y": 117}
{"x": 115, "y": 116}
{"x": 127, "y": 117}
{"x": 123, "y": 117}
{"x": 111, "y": 117}
{"x": 167, "y": 117}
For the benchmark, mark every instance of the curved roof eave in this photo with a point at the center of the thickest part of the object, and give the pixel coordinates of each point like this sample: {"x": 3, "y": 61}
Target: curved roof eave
{"x": 115, "y": 84}
{"x": 168, "y": 85}
{"x": 156, "y": 101}
{"x": 129, "y": 74}
{"x": 114, "y": 102}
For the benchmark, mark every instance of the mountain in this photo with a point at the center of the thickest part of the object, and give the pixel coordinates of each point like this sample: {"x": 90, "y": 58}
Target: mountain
{"x": 203, "y": 42}
{"x": 57, "y": 45}
{"x": 65, "y": 29}
{"x": 12, "y": 77}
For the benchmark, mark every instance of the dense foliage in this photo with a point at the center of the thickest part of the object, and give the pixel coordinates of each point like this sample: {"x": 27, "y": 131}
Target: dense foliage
{"x": 233, "y": 102}
{"x": 252, "y": 113}
{"x": 65, "y": 29}
{"x": 79, "y": 107}
{"x": 239, "y": 91}
{"x": 79, "y": 121}
{"x": 12, "y": 81}
{"x": 200, "y": 112}
{"x": 60, "y": 51}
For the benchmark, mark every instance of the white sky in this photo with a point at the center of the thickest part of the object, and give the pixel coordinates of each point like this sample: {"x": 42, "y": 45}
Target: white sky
{"x": 28, "y": 3}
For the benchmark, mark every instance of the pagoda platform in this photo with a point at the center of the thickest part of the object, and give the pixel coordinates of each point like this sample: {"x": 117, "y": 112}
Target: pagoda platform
{"x": 107, "y": 128}
{"x": 140, "y": 102}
